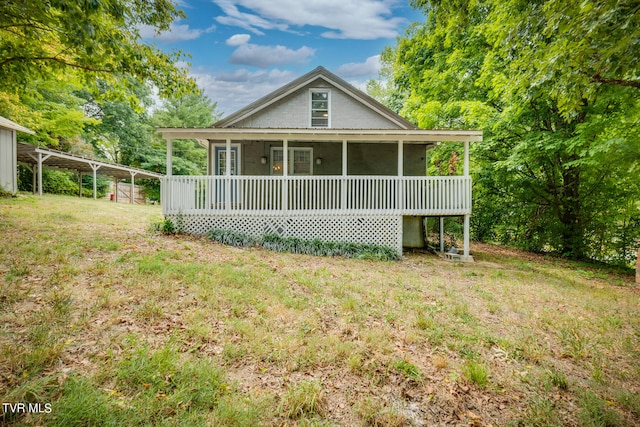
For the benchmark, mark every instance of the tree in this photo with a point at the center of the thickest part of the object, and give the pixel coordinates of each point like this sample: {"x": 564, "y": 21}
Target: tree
{"x": 96, "y": 38}
{"x": 191, "y": 110}
{"x": 560, "y": 119}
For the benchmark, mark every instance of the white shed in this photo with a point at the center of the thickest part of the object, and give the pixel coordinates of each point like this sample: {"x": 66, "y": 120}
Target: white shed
{"x": 8, "y": 154}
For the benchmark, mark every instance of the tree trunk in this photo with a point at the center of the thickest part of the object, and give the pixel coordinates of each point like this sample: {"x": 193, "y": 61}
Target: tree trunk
{"x": 572, "y": 236}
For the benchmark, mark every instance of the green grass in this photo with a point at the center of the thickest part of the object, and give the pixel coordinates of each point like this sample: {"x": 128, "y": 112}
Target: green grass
{"x": 114, "y": 323}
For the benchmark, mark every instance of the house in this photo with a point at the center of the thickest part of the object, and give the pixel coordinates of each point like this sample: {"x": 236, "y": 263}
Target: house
{"x": 318, "y": 158}
{"x": 9, "y": 154}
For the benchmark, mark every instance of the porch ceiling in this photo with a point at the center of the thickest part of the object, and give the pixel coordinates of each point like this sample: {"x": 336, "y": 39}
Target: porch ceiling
{"x": 351, "y": 135}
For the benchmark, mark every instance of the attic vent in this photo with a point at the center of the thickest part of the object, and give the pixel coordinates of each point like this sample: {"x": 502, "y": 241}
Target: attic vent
{"x": 320, "y": 108}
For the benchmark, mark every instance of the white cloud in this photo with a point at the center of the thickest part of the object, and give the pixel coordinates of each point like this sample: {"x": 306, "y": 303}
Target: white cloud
{"x": 237, "y": 89}
{"x": 359, "y": 69}
{"x": 238, "y": 39}
{"x": 175, "y": 33}
{"x": 266, "y": 56}
{"x": 344, "y": 19}
{"x": 234, "y": 17}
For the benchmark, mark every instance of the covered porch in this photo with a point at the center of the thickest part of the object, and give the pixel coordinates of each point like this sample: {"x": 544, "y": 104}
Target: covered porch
{"x": 395, "y": 193}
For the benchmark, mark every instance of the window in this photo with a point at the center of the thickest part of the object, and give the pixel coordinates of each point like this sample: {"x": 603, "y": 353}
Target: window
{"x": 319, "y": 108}
{"x": 300, "y": 161}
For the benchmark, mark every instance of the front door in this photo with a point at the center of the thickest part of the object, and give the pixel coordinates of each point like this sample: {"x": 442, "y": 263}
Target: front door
{"x": 220, "y": 169}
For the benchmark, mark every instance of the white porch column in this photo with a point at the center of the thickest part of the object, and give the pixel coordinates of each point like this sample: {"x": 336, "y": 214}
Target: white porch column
{"x": 227, "y": 175}
{"x": 285, "y": 174}
{"x": 343, "y": 185}
{"x": 400, "y": 187}
{"x": 467, "y": 256}
{"x": 79, "y": 184}
{"x": 95, "y": 167}
{"x": 169, "y": 170}
{"x": 133, "y": 186}
{"x": 441, "y": 234}
{"x": 116, "y": 190}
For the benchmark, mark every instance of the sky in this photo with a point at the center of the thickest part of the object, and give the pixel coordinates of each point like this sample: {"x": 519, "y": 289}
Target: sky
{"x": 243, "y": 49}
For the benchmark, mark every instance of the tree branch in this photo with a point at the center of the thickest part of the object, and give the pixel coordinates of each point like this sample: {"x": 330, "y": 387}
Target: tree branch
{"x": 597, "y": 78}
{"x": 54, "y": 59}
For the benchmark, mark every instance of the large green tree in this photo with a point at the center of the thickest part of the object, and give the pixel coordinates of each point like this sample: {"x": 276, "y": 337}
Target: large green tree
{"x": 191, "y": 110}
{"x": 555, "y": 87}
{"x": 94, "y": 38}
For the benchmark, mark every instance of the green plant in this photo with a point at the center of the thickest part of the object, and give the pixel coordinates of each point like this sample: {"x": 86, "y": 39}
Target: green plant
{"x": 407, "y": 368}
{"x": 541, "y": 412}
{"x": 476, "y": 373}
{"x": 557, "y": 378}
{"x": 232, "y": 237}
{"x": 373, "y": 413}
{"x": 303, "y": 399}
{"x": 594, "y": 412}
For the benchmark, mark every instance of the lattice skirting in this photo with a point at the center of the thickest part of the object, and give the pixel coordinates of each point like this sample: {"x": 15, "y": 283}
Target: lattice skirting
{"x": 383, "y": 230}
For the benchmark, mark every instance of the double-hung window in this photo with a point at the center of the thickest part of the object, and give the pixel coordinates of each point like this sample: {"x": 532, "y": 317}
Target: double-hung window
{"x": 300, "y": 161}
{"x": 320, "y": 108}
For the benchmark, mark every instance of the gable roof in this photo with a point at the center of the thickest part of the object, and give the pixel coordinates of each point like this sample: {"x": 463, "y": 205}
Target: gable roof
{"x": 8, "y": 124}
{"x": 304, "y": 80}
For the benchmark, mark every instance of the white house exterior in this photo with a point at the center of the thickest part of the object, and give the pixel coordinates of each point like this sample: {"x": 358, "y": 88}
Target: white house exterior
{"x": 9, "y": 154}
{"x": 317, "y": 158}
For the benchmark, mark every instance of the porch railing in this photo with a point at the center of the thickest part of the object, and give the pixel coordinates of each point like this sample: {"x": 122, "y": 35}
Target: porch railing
{"x": 450, "y": 195}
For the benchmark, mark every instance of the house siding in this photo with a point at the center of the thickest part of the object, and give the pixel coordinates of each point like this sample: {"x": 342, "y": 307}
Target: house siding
{"x": 294, "y": 112}
{"x": 8, "y": 167}
{"x": 363, "y": 158}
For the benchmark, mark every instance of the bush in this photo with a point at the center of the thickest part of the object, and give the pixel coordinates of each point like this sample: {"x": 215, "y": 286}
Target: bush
{"x": 296, "y": 245}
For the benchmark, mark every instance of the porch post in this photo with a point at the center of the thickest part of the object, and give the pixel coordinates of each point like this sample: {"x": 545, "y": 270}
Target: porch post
{"x": 79, "y": 184}
{"x": 400, "y": 174}
{"x": 466, "y": 238}
{"x": 169, "y": 170}
{"x": 467, "y": 217}
{"x": 227, "y": 175}
{"x": 116, "y": 190}
{"x": 285, "y": 174}
{"x": 343, "y": 185}
{"x": 441, "y": 234}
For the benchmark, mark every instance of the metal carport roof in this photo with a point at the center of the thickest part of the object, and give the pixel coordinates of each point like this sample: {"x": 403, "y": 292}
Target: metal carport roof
{"x": 34, "y": 155}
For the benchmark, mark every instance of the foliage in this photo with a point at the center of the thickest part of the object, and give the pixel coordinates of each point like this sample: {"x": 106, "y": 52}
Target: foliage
{"x": 190, "y": 157}
{"x": 315, "y": 247}
{"x": 554, "y": 87}
{"x": 61, "y": 182}
{"x": 92, "y": 39}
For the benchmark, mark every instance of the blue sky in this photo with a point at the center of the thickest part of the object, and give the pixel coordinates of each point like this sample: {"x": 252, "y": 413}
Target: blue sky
{"x": 243, "y": 49}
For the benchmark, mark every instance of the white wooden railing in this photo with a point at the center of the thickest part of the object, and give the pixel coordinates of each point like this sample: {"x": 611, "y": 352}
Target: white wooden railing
{"x": 449, "y": 195}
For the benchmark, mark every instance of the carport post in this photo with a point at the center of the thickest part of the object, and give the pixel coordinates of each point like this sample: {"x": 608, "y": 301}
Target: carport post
{"x": 79, "y": 184}
{"x": 133, "y": 185}
{"x": 34, "y": 171}
{"x": 95, "y": 186}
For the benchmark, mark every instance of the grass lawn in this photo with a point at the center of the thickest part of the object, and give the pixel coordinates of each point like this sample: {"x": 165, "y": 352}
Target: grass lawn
{"x": 112, "y": 324}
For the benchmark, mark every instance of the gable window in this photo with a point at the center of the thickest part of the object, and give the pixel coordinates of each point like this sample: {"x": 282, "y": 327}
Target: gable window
{"x": 319, "y": 108}
{"x": 300, "y": 161}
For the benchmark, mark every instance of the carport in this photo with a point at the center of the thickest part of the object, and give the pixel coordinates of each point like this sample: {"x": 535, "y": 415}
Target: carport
{"x": 36, "y": 157}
